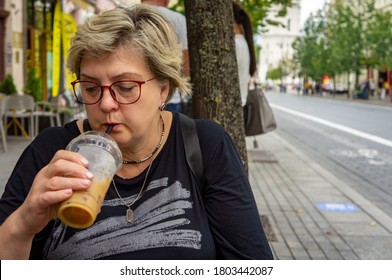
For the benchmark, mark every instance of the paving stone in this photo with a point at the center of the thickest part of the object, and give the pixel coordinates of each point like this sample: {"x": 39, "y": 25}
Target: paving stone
{"x": 360, "y": 229}
{"x": 300, "y": 254}
{"x": 316, "y": 254}
{"x": 293, "y": 186}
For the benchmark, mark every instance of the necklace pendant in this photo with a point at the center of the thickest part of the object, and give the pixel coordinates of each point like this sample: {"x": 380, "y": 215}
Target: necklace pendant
{"x": 129, "y": 215}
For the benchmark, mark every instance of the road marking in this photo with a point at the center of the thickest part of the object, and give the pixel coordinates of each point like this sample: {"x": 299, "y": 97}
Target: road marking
{"x": 337, "y": 207}
{"x": 352, "y": 131}
{"x": 373, "y": 156}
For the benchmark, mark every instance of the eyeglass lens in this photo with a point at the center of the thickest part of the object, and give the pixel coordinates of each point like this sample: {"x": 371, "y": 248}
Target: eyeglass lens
{"x": 125, "y": 92}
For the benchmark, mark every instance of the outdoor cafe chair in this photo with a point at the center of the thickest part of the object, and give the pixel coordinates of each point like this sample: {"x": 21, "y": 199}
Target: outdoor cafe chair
{"x": 50, "y": 110}
{"x": 19, "y": 107}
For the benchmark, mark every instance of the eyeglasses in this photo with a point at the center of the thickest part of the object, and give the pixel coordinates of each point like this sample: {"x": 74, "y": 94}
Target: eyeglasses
{"x": 124, "y": 92}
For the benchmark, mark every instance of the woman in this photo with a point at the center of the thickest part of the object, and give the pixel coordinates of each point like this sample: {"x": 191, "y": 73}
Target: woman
{"x": 245, "y": 53}
{"x": 140, "y": 54}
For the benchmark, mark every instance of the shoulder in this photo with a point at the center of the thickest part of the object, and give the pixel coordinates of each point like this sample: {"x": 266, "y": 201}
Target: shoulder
{"x": 214, "y": 139}
{"x": 178, "y": 20}
{"x": 69, "y": 130}
{"x": 52, "y": 139}
{"x": 239, "y": 38}
{"x": 209, "y": 130}
{"x": 206, "y": 129}
{"x": 212, "y": 136}
{"x": 240, "y": 42}
{"x": 170, "y": 14}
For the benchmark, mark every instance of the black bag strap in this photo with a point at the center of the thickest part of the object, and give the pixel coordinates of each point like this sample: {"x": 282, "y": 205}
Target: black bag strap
{"x": 192, "y": 148}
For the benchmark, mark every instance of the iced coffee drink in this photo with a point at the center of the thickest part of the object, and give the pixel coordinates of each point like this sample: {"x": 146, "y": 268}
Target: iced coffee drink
{"x": 104, "y": 156}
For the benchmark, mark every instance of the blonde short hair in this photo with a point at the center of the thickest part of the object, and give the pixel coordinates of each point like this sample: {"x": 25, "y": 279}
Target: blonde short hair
{"x": 140, "y": 27}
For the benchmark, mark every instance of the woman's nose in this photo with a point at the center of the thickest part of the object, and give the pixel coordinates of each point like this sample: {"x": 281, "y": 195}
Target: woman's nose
{"x": 108, "y": 101}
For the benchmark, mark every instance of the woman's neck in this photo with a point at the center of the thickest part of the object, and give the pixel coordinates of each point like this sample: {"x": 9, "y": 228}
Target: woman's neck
{"x": 237, "y": 28}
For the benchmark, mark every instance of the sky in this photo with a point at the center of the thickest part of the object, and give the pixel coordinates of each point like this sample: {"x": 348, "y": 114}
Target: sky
{"x": 308, "y": 7}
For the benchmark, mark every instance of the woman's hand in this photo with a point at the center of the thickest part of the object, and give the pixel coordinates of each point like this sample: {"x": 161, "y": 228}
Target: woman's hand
{"x": 66, "y": 172}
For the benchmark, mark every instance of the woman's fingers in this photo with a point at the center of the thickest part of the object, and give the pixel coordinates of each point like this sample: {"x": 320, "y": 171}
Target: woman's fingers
{"x": 49, "y": 198}
{"x": 68, "y": 164}
{"x": 67, "y": 172}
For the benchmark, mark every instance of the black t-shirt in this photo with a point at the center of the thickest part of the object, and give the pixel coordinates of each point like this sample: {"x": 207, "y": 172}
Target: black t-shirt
{"x": 173, "y": 219}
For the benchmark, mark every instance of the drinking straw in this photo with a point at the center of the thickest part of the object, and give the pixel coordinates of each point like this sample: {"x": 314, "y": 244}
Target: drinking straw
{"x": 109, "y": 129}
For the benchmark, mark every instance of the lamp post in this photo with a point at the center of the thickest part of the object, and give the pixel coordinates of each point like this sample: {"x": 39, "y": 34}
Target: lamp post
{"x": 282, "y": 86}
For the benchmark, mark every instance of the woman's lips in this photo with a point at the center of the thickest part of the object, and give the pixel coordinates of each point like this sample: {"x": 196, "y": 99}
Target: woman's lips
{"x": 109, "y": 127}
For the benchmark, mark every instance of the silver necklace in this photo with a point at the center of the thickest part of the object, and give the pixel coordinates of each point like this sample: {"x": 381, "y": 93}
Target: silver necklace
{"x": 153, "y": 152}
{"x": 129, "y": 212}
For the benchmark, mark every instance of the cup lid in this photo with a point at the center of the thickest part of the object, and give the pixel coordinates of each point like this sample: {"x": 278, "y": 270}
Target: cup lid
{"x": 99, "y": 139}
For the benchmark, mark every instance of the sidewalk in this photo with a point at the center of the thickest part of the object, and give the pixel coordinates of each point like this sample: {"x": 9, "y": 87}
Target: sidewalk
{"x": 307, "y": 212}
{"x": 8, "y": 160}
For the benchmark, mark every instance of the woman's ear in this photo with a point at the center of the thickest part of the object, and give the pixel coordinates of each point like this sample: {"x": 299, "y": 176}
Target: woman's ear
{"x": 165, "y": 88}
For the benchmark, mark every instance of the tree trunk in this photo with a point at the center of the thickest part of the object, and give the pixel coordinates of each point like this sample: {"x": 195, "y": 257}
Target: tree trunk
{"x": 214, "y": 74}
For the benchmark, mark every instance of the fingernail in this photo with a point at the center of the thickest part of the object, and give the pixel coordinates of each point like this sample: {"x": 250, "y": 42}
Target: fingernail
{"x": 67, "y": 191}
{"x": 84, "y": 161}
{"x": 89, "y": 175}
{"x": 85, "y": 182}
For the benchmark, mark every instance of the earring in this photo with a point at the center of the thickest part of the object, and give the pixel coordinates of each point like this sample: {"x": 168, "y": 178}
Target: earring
{"x": 162, "y": 106}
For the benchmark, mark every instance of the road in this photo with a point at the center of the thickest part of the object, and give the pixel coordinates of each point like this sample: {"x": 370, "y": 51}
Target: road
{"x": 354, "y": 141}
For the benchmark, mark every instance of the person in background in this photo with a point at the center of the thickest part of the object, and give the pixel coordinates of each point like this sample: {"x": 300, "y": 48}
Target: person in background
{"x": 386, "y": 91}
{"x": 178, "y": 21}
{"x": 245, "y": 53}
{"x": 382, "y": 89}
{"x": 365, "y": 88}
{"x": 372, "y": 87}
{"x": 126, "y": 72}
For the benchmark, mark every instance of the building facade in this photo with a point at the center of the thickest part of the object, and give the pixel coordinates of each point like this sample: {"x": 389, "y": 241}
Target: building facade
{"x": 11, "y": 41}
{"x": 4, "y": 13}
{"x": 276, "y": 44}
{"x": 31, "y": 37}
{"x": 384, "y": 4}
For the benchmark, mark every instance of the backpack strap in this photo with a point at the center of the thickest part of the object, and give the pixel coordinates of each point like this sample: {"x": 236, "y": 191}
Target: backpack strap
{"x": 192, "y": 148}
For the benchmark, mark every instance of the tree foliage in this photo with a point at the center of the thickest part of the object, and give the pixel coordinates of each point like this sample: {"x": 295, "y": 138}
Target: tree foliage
{"x": 7, "y": 86}
{"x": 259, "y": 9}
{"x": 33, "y": 85}
{"x": 275, "y": 73}
{"x": 256, "y": 9}
{"x": 345, "y": 39}
{"x": 379, "y": 38}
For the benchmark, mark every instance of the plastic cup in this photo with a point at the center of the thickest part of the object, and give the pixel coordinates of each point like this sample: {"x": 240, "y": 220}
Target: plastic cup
{"x": 105, "y": 158}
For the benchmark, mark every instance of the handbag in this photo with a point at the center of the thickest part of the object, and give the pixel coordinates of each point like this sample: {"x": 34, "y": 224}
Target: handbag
{"x": 258, "y": 115}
